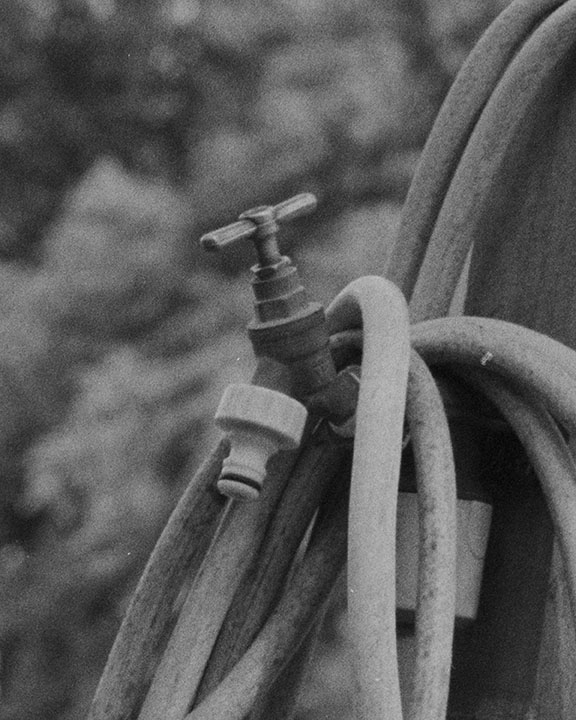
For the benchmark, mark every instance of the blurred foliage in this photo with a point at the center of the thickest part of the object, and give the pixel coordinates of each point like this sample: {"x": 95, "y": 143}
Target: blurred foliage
{"x": 109, "y": 375}
{"x": 127, "y": 127}
{"x": 231, "y": 100}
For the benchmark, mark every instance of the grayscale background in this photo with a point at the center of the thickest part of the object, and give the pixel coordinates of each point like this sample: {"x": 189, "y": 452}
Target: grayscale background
{"x": 127, "y": 129}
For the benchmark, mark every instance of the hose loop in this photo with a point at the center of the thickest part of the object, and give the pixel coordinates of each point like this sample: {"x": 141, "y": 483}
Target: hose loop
{"x": 379, "y": 307}
{"x": 455, "y": 123}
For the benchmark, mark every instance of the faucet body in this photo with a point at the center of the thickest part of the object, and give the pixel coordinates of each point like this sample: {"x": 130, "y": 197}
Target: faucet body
{"x": 290, "y": 338}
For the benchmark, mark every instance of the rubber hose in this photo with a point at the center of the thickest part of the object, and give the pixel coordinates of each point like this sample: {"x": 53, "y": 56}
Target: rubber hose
{"x": 313, "y": 474}
{"x": 454, "y": 124}
{"x": 179, "y": 550}
{"x": 504, "y": 123}
{"x": 534, "y": 362}
{"x": 436, "y": 598}
{"x": 437, "y": 540}
{"x": 550, "y": 457}
{"x": 291, "y": 621}
{"x": 379, "y": 307}
{"x": 233, "y": 548}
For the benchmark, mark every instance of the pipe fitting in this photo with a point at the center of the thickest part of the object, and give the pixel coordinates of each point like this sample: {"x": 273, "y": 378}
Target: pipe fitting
{"x": 287, "y": 327}
{"x": 259, "y": 422}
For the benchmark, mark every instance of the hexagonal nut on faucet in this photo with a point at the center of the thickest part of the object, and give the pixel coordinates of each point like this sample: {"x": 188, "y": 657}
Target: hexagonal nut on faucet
{"x": 259, "y": 422}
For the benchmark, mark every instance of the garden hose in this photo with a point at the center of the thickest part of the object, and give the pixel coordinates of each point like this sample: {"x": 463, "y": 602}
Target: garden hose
{"x": 437, "y": 233}
{"x": 530, "y": 378}
{"x": 493, "y": 348}
{"x": 378, "y": 306}
{"x": 550, "y": 457}
{"x": 263, "y": 583}
{"x": 544, "y": 368}
{"x": 181, "y": 668}
{"x": 179, "y": 551}
{"x": 366, "y": 313}
{"x": 498, "y": 143}
{"x": 541, "y": 389}
{"x": 293, "y": 617}
{"x": 436, "y": 600}
{"x": 454, "y": 124}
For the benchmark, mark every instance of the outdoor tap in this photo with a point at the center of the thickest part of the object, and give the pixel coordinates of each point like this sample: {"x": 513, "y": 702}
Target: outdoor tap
{"x": 291, "y": 341}
{"x": 287, "y": 328}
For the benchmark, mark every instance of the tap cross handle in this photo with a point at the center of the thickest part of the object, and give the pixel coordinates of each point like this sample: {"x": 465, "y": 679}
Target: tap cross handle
{"x": 260, "y": 224}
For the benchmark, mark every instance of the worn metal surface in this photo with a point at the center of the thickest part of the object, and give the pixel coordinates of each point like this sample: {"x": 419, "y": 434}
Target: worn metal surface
{"x": 260, "y": 224}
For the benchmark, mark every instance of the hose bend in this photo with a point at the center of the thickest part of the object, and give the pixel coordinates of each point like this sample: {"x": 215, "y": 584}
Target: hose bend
{"x": 379, "y": 307}
{"x": 502, "y": 131}
{"x": 535, "y": 363}
{"x": 550, "y": 457}
{"x": 454, "y": 124}
{"x": 521, "y": 364}
{"x": 436, "y": 483}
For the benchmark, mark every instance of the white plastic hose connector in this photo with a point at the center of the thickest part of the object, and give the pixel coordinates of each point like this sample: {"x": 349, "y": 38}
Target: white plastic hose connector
{"x": 259, "y": 422}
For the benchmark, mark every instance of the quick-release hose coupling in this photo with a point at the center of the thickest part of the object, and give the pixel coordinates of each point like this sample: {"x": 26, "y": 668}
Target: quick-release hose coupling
{"x": 258, "y": 422}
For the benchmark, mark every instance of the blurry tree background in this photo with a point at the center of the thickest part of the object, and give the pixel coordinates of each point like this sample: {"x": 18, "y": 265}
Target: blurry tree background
{"x": 127, "y": 128}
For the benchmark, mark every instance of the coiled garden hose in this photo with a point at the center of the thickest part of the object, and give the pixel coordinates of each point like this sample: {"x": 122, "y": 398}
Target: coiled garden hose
{"x": 478, "y": 136}
{"x": 454, "y": 124}
{"x": 379, "y": 308}
{"x": 550, "y": 457}
{"x": 530, "y": 378}
{"x": 490, "y": 349}
{"x": 178, "y": 552}
{"x": 371, "y": 314}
